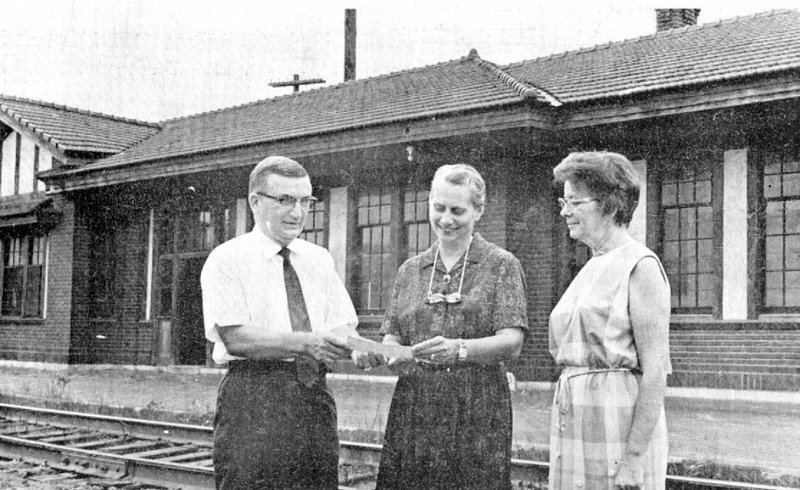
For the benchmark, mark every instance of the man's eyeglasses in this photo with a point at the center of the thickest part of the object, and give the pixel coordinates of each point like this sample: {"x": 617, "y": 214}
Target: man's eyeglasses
{"x": 289, "y": 202}
{"x": 573, "y": 203}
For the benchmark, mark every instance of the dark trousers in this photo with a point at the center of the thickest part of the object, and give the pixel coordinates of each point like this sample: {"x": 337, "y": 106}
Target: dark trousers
{"x": 273, "y": 432}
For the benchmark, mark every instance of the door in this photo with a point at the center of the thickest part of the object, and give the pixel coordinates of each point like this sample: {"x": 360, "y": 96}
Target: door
{"x": 188, "y": 332}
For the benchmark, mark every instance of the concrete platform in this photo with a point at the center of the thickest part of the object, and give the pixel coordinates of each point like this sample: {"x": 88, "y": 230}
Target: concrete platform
{"x": 745, "y": 428}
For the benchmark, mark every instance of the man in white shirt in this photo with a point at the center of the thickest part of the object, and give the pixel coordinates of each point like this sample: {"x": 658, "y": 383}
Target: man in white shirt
{"x": 275, "y": 427}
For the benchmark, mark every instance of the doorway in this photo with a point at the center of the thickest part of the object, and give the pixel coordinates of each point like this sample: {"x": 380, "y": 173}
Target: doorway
{"x": 189, "y": 333}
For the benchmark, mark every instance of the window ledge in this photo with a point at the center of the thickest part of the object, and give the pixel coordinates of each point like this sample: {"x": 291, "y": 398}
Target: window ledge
{"x": 16, "y": 320}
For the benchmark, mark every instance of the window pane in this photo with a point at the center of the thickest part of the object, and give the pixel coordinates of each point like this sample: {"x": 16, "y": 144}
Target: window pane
{"x": 703, "y": 191}
{"x": 12, "y": 291}
{"x": 773, "y": 289}
{"x": 671, "y": 224}
{"x": 792, "y": 284}
{"x": 791, "y": 185}
{"x": 772, "y": 163}
{"x": 688, "y": 291}
{"x": 688, "y": 257}
{"x": 705, "y": 256}
{"x": 792, "y": 164}
{"x": 705, "y": 223}
{"x": 33, "y": 292}
{"x": 669, "y": 194}
{"x": 792, "y": 250}
{"x": 774, "y": 253}
{"x": 772, "y": 186}
{"x": 685, "y": 192}
{"x": 705, "y": 289}
{"x": 671, "y": 256}
{"x": 792, "y": 220}
{"x": 774, "y": 225}
{"x": 688, "y": 223}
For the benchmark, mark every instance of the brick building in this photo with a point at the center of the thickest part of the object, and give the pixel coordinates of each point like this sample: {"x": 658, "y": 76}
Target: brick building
{"x": 708, "y": 113}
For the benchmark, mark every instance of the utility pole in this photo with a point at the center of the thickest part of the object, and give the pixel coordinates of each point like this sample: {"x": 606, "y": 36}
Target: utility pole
{"x": 296, "y": 82}
{"x": 349, "y": 44}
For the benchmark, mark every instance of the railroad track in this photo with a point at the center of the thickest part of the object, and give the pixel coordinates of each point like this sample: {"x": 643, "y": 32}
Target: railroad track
{"x": 179, "y": 455}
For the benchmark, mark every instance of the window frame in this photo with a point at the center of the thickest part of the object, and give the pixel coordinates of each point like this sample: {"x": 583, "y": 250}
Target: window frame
{"x": 713, "y": 160}
{"x": 398, "y": 246}
{"x": 26, "y": 252}
{"x": 760, "y": 212}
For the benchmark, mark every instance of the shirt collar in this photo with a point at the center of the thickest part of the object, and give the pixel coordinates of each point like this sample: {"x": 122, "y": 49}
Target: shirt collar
{"x": 476, "y": 251}
{"x": 271, "y": 247}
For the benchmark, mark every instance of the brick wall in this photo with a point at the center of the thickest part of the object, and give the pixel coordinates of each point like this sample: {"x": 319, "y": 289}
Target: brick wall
{"x": 47, "y": 340}
{"x": 734, "y": 356}
{"x": 124, "y": 338}
{"x": 531, "y": 228}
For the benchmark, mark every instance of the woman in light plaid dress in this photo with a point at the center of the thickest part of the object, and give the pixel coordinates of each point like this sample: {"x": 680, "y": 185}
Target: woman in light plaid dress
{"x": 610, "y": 334}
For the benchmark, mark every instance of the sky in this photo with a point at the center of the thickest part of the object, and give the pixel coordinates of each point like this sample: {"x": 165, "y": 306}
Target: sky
{"x": 155, "y": 60}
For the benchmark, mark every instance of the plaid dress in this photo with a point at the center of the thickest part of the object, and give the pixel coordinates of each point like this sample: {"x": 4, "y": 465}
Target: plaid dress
{"x": 591, "y": 338}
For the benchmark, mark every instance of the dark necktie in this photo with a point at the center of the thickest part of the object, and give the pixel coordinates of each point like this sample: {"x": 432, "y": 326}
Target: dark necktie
{"x": 308, "y": 370}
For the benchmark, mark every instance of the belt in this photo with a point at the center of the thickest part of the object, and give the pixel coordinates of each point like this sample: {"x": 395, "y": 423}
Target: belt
{"x": 269, "y": 365}
{"x": 431, "y": 367}
{"x": 564, "y": 391}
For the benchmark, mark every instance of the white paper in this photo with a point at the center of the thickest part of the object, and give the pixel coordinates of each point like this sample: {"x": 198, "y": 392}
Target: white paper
{"x": 387, "y": 351}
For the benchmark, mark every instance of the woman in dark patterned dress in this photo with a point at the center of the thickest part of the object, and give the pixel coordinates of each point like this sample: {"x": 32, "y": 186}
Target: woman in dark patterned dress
{"x": 461, "y": 305}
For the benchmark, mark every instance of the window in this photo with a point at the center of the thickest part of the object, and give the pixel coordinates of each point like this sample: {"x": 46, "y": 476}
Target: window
{"x": 23, "y": 276}
{"x": 687, "y": 231}
{"x": 314, "y": 229}
{"x": 188, "y": 233}
{"x": 781, "y": 257}
{"x": 391, "y": 226}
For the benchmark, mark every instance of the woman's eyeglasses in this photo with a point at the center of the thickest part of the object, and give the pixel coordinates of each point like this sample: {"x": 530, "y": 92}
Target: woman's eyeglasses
{"x": 452, "y": 298}
{"x": 573, "y": 203}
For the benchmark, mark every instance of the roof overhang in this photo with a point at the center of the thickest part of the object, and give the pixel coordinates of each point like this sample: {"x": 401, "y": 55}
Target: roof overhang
{"x": 400, "y": 132}
{"x": 29, "y": 210}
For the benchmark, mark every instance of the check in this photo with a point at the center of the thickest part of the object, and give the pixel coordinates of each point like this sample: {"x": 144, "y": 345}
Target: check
{"x": 387, "y": 351}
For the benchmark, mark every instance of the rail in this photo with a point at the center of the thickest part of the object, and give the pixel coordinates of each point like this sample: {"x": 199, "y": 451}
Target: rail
{"x": 170, "y": 454}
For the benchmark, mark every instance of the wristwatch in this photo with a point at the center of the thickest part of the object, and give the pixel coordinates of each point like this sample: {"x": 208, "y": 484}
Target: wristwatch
{"x": 462, "y": 350}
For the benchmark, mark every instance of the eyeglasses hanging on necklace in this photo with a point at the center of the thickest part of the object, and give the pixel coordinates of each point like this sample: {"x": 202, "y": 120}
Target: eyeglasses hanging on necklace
{"x": 452, "y": 298}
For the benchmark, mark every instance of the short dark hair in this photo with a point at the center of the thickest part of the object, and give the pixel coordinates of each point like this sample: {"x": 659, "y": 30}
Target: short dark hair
{"x": 609, "y": 177}
{"x": 275, "y": 165}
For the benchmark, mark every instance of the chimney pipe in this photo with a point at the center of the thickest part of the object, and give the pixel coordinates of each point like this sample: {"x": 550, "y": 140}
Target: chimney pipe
{"x": 675, "y": 18}
{"x": 349, "y": 44}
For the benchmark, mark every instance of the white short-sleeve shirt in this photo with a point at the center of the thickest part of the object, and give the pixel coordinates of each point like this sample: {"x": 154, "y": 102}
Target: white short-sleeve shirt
{"x": 242, "y": 282}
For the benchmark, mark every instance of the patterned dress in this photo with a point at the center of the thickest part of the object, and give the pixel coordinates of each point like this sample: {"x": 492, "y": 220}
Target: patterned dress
{"x": 451, "y": 428}
{"x": 592, "y": 339}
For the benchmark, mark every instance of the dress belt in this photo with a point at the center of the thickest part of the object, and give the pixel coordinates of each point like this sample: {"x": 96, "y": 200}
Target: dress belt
{"x": 564, "y": 391}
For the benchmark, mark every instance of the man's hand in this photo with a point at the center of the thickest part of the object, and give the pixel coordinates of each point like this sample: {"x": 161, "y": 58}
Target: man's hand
{"x": 325, "y": 347}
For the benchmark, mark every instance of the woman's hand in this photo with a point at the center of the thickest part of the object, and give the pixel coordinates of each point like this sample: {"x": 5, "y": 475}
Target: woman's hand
{"x": 401, "y": 367}
{"x": 629, "y": 475}
{"x": 366, "y": 360}
{"x": 438, "y": 350}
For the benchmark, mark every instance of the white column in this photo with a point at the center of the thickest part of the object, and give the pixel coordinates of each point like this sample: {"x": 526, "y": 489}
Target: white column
{"x": 337, "y": 229}
{"x": 151, "y": 232}
{"x": 242, "y": 209}
{"x": 638, "y": 226}
{"x": 734, "y": 235}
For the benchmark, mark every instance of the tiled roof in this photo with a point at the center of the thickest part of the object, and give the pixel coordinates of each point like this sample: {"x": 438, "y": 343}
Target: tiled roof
{"x": 70, "y": 129}
{"x": 465, "y": 84}
{"x": 705, "y": 53}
